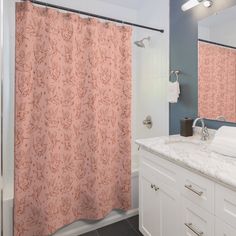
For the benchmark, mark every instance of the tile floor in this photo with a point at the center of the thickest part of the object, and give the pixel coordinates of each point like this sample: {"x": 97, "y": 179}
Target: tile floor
{"x": 127, "y": 227}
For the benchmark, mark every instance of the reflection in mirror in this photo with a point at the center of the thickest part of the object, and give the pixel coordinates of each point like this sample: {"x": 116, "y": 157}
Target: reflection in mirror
{"x": 217, "y": 66}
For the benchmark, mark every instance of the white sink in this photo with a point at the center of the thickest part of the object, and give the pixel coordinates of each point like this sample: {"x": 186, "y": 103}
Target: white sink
{"x": 186, "y": 146}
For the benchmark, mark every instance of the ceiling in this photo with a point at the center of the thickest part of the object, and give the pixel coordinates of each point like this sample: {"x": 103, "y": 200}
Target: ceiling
{"x": 133, "y": 4}
{"x": 220, "y": 18}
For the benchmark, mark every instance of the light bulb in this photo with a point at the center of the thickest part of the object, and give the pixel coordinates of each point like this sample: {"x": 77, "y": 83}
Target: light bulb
{"x": 207, "y": 3}
{"x": 190, "y": 4}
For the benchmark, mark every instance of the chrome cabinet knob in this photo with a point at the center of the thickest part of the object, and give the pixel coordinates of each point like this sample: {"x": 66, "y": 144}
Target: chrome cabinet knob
{"x": 156, "y": 188}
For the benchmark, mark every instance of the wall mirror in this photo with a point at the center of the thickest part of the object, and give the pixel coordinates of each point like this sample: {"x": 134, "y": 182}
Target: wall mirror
{"x": 217, "y": 66}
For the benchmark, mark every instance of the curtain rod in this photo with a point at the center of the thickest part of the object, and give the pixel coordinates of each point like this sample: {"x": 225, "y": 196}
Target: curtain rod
{"x": 218, "y": 44}
{"x": 92, "y": 15}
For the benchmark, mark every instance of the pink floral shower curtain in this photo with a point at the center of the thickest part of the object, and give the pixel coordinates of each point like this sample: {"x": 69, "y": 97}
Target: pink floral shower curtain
{"x": 217, "y": 82}
{"x": 73, "y": 119}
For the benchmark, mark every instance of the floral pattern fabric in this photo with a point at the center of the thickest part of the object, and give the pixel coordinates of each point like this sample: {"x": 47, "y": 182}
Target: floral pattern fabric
{"x": 217, "y": 82}
{"x": 72, "y": 119}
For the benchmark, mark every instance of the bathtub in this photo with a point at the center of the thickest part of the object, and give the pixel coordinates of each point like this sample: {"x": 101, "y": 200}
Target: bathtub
{"x": 80, "y": 227}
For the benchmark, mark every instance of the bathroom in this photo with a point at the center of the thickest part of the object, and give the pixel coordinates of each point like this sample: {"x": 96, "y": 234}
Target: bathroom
{"x": 144, "y": 167}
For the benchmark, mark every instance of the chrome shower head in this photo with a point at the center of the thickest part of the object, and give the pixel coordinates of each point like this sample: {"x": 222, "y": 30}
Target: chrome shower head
{"x": 140, "y": 43}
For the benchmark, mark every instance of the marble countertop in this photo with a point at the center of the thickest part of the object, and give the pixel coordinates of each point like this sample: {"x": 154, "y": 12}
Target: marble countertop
{"x": 194, "y": 154}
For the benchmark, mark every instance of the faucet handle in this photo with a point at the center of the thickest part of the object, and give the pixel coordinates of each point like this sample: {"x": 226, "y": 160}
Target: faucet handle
{"x": 148, "y": 122}
{"x": 205, "y": 133}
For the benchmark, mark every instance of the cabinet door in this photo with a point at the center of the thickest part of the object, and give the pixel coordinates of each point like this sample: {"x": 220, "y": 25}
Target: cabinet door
{"x": 159, "y": 209}
{"x": 149, "y": 208}
{"x": 196, "y": 221}
{"x": 225, "y": 204}
{"x": 222, "y": 229}
{"x": 170, "y": 214}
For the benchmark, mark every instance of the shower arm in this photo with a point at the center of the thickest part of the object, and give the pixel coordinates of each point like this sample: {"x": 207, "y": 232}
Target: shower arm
{"x": 147, "y": 38}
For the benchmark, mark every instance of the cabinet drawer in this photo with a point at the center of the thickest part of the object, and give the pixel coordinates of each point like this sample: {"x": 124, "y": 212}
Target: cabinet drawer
{"x": 197, "y": 221}
{"x": 222, "y": 229}
{"x": 159, "y": 171}
{"x": 199, "y": 190}
{"x": 225, "y": 205}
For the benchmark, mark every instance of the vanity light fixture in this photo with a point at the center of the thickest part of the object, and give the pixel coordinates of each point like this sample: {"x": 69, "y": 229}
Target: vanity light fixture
{"x": 193, "y": 3}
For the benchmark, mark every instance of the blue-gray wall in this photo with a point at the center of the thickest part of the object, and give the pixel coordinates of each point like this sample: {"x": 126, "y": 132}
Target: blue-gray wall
{"x": 184, "y": 56}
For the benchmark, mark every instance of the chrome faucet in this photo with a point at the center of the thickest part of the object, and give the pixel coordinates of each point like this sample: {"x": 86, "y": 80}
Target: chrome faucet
{"x": 204, "y": 133}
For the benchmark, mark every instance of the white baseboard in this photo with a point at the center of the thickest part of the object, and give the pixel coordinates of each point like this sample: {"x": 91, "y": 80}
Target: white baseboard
{"x": 77, "y": 228}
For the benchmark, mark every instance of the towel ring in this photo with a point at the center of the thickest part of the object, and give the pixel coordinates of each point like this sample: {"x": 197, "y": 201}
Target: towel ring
{"x": 177, "y": 73}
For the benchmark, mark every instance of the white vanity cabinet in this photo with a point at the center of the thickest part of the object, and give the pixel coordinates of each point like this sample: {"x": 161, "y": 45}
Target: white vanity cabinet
{"x": 175, "y": 201}
{"x": 159, "y": 202}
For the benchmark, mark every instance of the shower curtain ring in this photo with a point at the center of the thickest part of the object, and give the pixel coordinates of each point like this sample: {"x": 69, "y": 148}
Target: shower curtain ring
{"x": 46, "y": 4}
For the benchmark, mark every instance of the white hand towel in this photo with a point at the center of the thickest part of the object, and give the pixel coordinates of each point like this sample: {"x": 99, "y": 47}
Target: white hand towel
{"x": 174, "y": 92}
{"x": 225, "y": 141}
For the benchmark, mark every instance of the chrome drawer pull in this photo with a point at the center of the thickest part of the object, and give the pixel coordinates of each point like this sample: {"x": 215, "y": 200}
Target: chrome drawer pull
{"x": 190, "y": 187}
{"x": 190, "y": 226}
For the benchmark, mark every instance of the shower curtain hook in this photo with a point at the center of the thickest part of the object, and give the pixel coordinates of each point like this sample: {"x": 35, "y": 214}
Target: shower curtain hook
{"x": 46, "y": 4}
{"x": 122, "y": 23}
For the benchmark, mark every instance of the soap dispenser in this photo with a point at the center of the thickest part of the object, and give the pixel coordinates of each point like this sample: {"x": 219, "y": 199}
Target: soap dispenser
{"x": 186, "y": 127}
